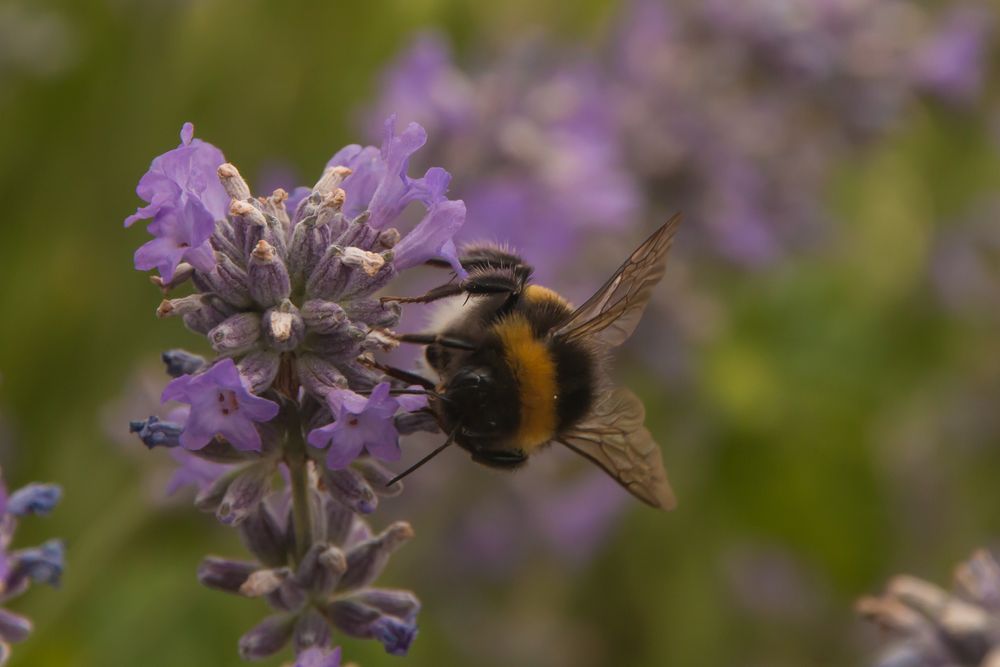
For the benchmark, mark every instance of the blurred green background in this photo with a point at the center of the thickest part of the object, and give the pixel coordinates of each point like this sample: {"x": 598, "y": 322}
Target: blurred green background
{"x": 843, "y": 425}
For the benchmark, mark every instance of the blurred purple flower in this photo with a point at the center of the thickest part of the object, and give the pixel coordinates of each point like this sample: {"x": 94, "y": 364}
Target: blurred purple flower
{"x": 222, "y": 405}
{"x": 185, "y": 199}
{"x": 19, "y": 568}
{"x": 951, "y": 62}
{"x": 928, "y": 626}
{"x": 533, "y": 141}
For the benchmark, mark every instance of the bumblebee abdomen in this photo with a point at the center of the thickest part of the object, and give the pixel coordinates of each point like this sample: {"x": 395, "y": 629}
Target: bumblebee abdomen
{"x": 534, "y": 369}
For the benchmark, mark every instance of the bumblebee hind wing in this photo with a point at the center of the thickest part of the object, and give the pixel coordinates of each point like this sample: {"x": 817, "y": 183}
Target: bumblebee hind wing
{"x": 613, "y": 437}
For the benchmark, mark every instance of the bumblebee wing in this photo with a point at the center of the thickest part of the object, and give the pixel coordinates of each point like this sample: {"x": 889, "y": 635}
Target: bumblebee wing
{"x": 611, "y": 315}
{"x": 613, "y": 437}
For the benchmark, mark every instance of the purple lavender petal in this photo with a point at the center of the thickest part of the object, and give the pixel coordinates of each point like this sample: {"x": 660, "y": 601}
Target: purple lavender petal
{"x": 431, "y": 238}
{"x": 185, "y": 199}
{"x": 395, "y": 191}
{"x": 222, "y": 405}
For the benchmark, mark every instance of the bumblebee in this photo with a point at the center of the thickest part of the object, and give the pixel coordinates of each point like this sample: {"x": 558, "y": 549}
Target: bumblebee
{"x": 519, "y": 368}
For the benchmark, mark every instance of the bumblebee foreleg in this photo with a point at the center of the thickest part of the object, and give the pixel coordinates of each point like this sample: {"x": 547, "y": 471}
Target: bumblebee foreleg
{"x": 485, "y": 282}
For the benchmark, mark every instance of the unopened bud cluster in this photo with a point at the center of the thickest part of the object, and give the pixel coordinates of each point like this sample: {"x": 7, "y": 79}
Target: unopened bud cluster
{"x": 932, "y": 627}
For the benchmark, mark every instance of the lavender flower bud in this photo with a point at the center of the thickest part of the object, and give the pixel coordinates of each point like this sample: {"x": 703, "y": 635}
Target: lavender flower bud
{"x": 331, "y": 179}
{"x": 223, "y": 240}
{"x": 367, "y": 560}
{"x": 361, "y": 283}
{"x": 156, "y": 433}
{"x": 359, "y": 620}
{"x": 394, "y": 634}
{"x": 350, "y": 488}
{"x": 13, "y": 627}
{"x": 275, "y": 205}
{"x": 265, "y": 538}
{"x": 321, "y": 569}
{"x": 264, "y": 582}
{"x": 42, "y": 564}
{"x": 378, "y": 477}
{"x": 223, "y": 574}
{"x": 227, "y": 281}
{"x": 327, "y": 280}
{"x": 236, "y": 334}
{"x": 180, "y": 307}
{"x": 182, "y": 274}
{"x": 288, "y": 597}
{"x": 318, "y": 376}
{"x": 269, "y": 282}
{"x": 339, "y": 520}
{"x": 233, "y": 182}
{"x": 401, "y": 604}
{"x": 388, "y": 238}
{"x": 283, "y": 327}
{"x": 324, "y": 317}
{"x": 212, "y": 312}
{"x": 374, "y": 313}
{"x": 309, "y": 243}
{"x": 358, "y": 234}
{"x": 310, "y": 630}
{"x": 34, "y": 499}
{"x": 267, "y": 638}
{"x": 259, "y": 367}
{"x": 245, "y": 494}
{"x": 182, "y": 362}
{"x": 340, "y": 347}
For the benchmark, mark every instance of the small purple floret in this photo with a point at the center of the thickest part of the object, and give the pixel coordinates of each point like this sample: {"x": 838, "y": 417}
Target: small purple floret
{"x": 185, "y": 199}
{"x": 360, "y": 423}
{"x": 222, "y": 405}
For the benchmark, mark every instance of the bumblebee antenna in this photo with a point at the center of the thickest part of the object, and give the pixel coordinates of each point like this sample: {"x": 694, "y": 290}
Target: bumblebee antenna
{"x": 441, "y": 448}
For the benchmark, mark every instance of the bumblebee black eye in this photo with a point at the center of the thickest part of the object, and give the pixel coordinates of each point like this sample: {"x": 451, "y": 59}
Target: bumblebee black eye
{"x": 470, "y": 378}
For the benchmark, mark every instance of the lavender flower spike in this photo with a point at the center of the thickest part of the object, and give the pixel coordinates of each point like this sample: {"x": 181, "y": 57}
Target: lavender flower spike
{"x": 20, "y": 568}
{"x": 288, "y": 304}
{"x": 185, "y": 199}
{"x": 220, "y": 405}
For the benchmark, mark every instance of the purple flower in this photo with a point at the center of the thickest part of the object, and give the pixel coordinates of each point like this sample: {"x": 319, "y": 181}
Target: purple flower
{"x": 424, "y": 85}
{"x": 185, "y": 199}
{"x": 362, "y": 423}
{"x": 222, "y": 405}
{"x": 539, "y": 161}
{"x": 318, "y": 657}
{"x": 193, "y": 471}
{"x": 951, "y": 62}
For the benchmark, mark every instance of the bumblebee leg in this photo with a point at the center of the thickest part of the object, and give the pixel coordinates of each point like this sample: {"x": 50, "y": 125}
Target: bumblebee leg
{"x": 400, "y": 374}
{"x": 436, "y": 339}
{"x": 442, "y": 292}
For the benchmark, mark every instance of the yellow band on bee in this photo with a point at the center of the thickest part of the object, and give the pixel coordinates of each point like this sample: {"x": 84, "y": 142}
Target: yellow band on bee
{"x": 535, "y": 372}
{"x": 538, "y": 293}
